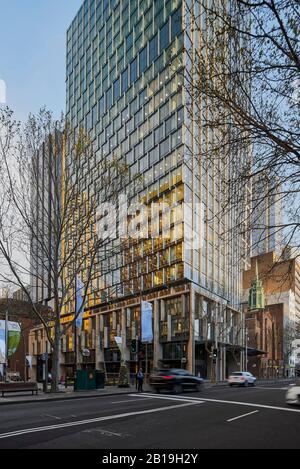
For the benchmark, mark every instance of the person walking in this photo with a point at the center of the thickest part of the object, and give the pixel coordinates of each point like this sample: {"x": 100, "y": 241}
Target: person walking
{"x": 140, "y": 380}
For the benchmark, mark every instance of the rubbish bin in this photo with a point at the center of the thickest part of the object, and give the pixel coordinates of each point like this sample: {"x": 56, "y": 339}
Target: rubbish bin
{"x": 85, "y": 380}
{"x": 100, "y": 379}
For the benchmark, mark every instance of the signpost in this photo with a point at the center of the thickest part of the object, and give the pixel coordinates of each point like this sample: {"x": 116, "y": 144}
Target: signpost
{"x": 86, "y": 352}
{"x": 45, "y": 371}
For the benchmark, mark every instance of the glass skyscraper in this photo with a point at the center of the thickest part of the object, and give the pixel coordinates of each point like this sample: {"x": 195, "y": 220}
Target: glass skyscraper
{"x": 126, "y": 71}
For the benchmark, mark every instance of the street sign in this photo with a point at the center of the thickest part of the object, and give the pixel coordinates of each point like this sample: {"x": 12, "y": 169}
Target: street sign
{"x": 183, "y": 360}
{"x": 86, "y": 352}
{"x": 44, "y": 357}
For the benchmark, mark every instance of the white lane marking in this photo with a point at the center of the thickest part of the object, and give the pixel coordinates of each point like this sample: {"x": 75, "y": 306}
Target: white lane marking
{"x": 246, "y": 404}
{"x": 103, "y": 432}
{"x": 52, "y": 416}
{"x": 276, "y": 389}
{"x": 89, "y": 421}
{"x": 63, "y": 400}
{"x": 155, "y": 396}
{"x": 250, "y": 404}
{"x": 242, "y": 416}
{"x": 129, "y": 400}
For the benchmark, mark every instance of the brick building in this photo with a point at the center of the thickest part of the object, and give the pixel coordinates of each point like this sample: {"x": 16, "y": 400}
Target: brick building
{"x": 271, "y": 329}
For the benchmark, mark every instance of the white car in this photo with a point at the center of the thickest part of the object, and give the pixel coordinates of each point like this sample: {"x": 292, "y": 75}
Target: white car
{"x": 241, "y": 378}
{"x": 292, "y": 396}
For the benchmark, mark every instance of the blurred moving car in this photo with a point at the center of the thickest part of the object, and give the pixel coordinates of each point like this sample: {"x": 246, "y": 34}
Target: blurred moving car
{"x": 176, "y": 380}
{"x": 241, "y": 378}
{"x": 292, "y": 396}
{"x": 14, "y": 376}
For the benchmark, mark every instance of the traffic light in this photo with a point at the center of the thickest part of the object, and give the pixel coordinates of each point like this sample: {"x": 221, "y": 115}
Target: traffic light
{"x": 215, "y": 355}
{"x": 134, "y": 346}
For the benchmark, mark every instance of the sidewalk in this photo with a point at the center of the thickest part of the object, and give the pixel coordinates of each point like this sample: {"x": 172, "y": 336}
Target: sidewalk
{"x": 64, "y": 393}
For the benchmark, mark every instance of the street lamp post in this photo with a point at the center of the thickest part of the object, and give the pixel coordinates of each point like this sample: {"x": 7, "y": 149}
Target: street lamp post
{"x": 246, "y": 347}
{"x": 6, "y": 346}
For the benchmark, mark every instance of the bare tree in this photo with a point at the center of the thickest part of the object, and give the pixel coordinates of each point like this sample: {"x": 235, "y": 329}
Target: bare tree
{"x": 244, "y": 88}
{"x": 50, "y": 218}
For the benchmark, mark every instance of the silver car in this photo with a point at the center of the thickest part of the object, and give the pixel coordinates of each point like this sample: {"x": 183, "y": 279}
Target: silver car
{"x": 241, "y": 378}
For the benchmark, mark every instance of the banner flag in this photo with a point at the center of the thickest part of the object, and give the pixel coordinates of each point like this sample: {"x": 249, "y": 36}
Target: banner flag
{"x": 147, "y": 328}
{"x": 79, "y": 302}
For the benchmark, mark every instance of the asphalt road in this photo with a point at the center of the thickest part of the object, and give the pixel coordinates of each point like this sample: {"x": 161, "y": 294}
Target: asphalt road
{"x": 215, "y": 418}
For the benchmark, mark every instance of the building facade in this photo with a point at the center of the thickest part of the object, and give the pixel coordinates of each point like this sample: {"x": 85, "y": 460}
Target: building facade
{"x": 45, "y": 203}
{"x": 266, "y": 215}
{"x": 272, "y": 328}
{"x": 127, "y": 67}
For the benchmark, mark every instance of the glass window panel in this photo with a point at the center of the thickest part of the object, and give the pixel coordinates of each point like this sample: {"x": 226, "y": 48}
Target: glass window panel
{"x": 164, "y": 37}
{"x": 153, "y": 48}
{"x": 133, "y": 71}
{"x": 143, "y": 60}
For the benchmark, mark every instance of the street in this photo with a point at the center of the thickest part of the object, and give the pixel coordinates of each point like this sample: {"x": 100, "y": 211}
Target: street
{"x": 214, "y": 418}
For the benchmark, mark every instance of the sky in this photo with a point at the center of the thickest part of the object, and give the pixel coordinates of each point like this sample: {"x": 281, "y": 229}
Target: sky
{"x": 32, "y": 53}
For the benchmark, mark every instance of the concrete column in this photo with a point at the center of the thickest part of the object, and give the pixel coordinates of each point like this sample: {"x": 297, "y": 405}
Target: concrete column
{"x": 191, "y": 343}
{"x": 218, "y": 365}
{"x": 242, "y": 360}
{"x": 223, "y": 367}
{"x": 157, "y": 348}
{"x": 169, "y": 320}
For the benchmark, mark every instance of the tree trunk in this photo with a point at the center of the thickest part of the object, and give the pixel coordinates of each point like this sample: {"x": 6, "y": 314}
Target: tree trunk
{"x": 56, "y": 359}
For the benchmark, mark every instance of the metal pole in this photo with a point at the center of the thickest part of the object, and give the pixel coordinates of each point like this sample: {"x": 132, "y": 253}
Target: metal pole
{"x": 75, "y": 355}
{"x": 6, "y": 346}
{"x": 46, "y": 373}
{"x": 75, "y": 338}
{"x": 140, "y": 341}
{"x": 146, "y": 361}
{"x": 246, "y": 364}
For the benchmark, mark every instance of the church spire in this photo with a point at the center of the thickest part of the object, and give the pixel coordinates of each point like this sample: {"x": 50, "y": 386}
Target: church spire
{"x": 256, "y": 293}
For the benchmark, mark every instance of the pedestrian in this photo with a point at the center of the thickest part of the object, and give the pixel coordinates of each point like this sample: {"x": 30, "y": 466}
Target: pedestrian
{"x": 140, "y": 380}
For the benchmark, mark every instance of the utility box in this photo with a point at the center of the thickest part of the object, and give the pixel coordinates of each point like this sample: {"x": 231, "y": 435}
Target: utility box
{"x": 100, "y": 379}
{"x": 85, "y": 380}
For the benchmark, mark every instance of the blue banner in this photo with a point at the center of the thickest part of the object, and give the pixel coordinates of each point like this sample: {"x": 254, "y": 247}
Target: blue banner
{"x": 147, "y": 328}
{"x": 79, "y": 302}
